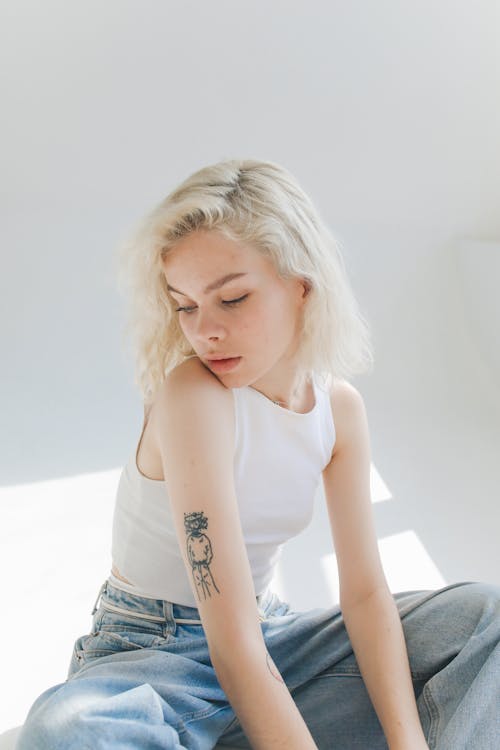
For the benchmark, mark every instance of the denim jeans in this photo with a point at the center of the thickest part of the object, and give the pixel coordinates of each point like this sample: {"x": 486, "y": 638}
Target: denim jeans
{"x": 142, "y": 678}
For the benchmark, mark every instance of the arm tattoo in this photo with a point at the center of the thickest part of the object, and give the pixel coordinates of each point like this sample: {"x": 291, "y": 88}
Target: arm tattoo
{"x": 273, "y": 669}
{"x": 199, "y": 551}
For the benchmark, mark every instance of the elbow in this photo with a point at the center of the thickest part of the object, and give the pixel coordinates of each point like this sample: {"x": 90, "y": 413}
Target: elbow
{"x": 349, "y": 602}
{"x": 236, "y": 652}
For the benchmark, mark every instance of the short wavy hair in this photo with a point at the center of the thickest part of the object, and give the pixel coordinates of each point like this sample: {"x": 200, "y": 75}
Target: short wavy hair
{"x": 256, "y": 202}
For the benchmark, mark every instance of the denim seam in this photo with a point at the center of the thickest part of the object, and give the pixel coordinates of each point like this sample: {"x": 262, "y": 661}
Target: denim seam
{"x": 203, "y": 714}
{"x": 409, "y": 608}
{"x": 433, "y": 711}
{"x": 355, "y": 672}
{"x": 127, "y": 627}
{"x": 130, "y": 613}
{"x": 234, "y": 722}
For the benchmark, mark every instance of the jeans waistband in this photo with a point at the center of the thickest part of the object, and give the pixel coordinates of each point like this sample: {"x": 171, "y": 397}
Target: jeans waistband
{"x": 119, "y": 600}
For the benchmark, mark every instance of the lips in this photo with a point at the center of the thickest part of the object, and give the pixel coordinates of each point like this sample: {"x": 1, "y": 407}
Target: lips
{"x": 218, "y": 359}
{"x": 225, "y": 364}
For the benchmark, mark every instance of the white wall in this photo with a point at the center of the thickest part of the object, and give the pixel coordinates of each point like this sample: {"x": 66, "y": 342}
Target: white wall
{"x": 388, "y": 113}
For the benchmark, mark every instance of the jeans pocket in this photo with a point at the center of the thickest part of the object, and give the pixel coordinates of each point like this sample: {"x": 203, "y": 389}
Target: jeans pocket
{"x": 85, "y": 649}
{"x": 129, "y": 631}
{"x": 112, "y": 634}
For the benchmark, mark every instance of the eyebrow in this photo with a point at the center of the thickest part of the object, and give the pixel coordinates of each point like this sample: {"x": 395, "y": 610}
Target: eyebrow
{"x": 214, "y": 285}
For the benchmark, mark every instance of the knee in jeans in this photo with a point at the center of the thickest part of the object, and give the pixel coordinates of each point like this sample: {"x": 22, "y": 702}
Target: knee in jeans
{"x": 49, "y": 727}
{"x": 39, "y": 733}
{"x": 481, "y": 601}
{"x": 484, "y": 594}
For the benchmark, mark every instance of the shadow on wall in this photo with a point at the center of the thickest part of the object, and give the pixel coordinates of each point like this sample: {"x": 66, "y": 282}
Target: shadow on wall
{"x": 478, "y": 268}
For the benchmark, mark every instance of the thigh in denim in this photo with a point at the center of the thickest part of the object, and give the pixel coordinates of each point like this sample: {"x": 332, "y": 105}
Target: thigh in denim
{"x": 115, "y": 633}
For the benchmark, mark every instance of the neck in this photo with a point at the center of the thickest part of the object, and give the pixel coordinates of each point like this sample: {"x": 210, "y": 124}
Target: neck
{"x": 287, "y": 397}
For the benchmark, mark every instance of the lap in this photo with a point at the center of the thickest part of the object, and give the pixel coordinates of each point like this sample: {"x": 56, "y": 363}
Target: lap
{"x": 166, "y": 684}
{"x": 315, "y": 657}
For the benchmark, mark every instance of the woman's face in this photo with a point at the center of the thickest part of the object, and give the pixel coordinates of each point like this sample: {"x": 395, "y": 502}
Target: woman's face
{"x": 254, "y": 316}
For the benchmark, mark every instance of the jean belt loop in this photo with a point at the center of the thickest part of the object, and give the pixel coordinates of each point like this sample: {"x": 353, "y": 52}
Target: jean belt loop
{"x": 168, "y": 613}
{"x": 101, "y": 591}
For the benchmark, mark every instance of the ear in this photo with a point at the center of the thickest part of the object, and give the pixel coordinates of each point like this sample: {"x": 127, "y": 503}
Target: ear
{"x": 307, "y": 286}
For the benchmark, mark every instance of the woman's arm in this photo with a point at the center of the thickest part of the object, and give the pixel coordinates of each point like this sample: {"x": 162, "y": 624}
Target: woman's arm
{"x": 370, "y": 614}
{"x": 194, "y": 426}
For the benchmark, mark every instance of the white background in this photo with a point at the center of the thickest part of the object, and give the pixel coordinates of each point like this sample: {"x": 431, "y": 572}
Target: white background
{"x": 388, "y": 114}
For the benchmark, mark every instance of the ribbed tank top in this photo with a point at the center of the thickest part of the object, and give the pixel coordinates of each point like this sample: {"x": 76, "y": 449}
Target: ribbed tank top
{"x": 278, "y": 460}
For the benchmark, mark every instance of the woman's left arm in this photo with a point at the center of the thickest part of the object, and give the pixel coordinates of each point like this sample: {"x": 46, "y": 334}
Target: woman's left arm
{"x": 370, "y": 613}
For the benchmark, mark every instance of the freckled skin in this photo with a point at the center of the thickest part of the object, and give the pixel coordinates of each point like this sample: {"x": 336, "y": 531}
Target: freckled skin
{"x": 264, "y": 329}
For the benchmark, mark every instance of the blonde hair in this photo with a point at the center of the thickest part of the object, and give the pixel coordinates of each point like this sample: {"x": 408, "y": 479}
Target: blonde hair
{"x": 256, "y": 202}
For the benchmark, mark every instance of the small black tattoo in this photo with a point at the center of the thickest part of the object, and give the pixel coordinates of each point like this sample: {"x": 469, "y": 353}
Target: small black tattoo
{"x": 272, "y": 668}
{"x": 200, "y": 554}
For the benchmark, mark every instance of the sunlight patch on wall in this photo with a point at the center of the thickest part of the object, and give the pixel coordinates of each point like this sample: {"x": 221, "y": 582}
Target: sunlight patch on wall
{"x": 57, "y": 523}
{"x": 407, "y": 565}
{"x": 378, "y": 488}
{"x": 55, "y": 542}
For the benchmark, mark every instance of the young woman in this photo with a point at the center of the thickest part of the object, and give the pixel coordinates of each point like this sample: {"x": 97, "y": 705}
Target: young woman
{"x": 246, "y": 331}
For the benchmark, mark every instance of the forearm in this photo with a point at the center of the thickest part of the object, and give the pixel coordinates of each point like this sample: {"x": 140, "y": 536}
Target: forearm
{"x": 377, "y": 637}
{"x": 261, "y": 700}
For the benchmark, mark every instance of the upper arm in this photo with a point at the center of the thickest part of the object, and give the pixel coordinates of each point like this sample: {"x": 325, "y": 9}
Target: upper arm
{"x": 194, "y": 427}
{"x": 346, "y": 482}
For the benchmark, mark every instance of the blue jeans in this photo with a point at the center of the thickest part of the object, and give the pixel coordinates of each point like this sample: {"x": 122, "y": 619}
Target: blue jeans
{"x": 143, "y": 678}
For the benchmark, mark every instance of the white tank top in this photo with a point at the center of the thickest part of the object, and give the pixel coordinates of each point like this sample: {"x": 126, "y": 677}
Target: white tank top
{"x": 278, "y": 461}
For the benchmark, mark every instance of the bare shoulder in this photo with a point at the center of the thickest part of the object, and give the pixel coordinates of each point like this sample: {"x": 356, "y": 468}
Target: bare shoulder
{"x": 343, "y": 394}
{"x": 193, "y": 392}
{"x": 193, "y": 368}
{"x": 348, "y": 409}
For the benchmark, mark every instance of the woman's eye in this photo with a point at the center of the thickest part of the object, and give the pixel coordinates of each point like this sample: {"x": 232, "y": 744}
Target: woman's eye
{"x": 231, "y": 302}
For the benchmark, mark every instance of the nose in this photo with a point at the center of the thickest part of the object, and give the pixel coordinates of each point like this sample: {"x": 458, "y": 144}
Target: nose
{"x": 208, "y": 326}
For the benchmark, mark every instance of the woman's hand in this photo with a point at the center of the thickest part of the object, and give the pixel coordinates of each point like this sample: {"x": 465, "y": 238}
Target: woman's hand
{"x": 410, "y": 744}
